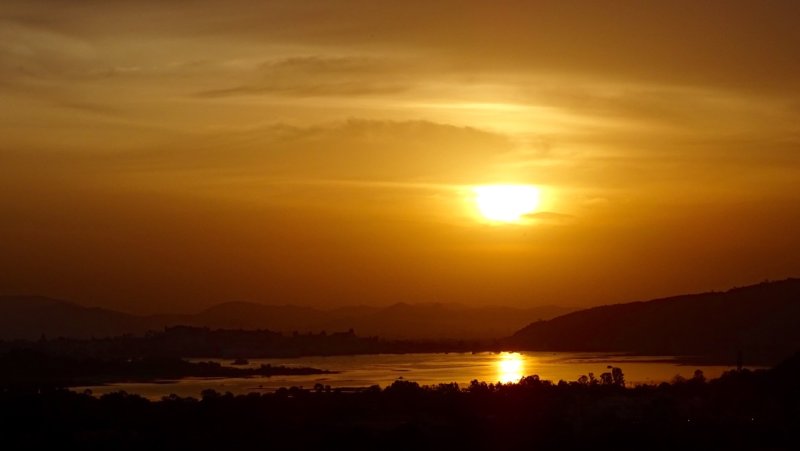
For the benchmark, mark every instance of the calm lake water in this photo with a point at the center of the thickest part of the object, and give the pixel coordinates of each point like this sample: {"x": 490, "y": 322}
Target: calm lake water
{"x": 426, "y": 369}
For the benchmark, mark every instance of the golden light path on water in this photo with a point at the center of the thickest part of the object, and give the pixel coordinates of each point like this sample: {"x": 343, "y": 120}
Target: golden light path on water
{"x": 510, "y": 367}
{"x": 353, "y": 371}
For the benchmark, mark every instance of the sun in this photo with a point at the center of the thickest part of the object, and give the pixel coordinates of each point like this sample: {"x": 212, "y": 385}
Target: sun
{"x": 506, "y": 203}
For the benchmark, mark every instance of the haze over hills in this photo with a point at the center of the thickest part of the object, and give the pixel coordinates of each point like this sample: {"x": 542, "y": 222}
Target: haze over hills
{"x": 763, "y": 321}
{"x": 31, "y": 316}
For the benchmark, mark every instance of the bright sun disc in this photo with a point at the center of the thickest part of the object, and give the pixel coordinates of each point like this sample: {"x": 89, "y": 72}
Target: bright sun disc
{"x": 506, "y": 203}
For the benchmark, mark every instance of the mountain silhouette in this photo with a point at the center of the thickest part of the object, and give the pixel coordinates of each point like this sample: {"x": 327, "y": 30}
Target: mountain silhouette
{"x": 29, "y": 317}
{"x": 762, "y": 321}
{"x": 33, "y": 316}
{"x": 438, "y": 320}
{"x": 249, "y": 315}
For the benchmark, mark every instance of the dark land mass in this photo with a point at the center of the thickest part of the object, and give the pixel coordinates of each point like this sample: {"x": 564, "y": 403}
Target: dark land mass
{"x": 760, "y": 321}
{"x": 29, "y": 317}
{"x": 200, "y": 342}
{"x": 158, "y": 356}
{"x": 741, "y": 410}
{"x": 21, "y": 368}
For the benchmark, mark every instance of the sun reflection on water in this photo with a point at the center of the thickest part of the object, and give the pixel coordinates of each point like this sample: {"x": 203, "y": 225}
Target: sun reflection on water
{"x": 510, "y": 367}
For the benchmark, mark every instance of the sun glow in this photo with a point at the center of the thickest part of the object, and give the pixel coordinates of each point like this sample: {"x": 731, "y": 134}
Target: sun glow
{"x": 510, "y": 367}
{"x": 506, "y": 203}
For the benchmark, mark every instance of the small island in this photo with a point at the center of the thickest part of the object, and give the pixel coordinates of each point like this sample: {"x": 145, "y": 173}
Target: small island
{"x": 27, "y": 367}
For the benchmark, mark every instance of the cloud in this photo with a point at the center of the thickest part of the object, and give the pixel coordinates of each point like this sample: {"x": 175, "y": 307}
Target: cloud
{"x": 549, "y": 217}
{"x": 354, "y": 149}
{"x": 92, "y": 108}
{"x": 353, "y": 154}
{"x": 744, "y": 46}
{"x": 319, "y": 76}
{"x": 600, "y": 97}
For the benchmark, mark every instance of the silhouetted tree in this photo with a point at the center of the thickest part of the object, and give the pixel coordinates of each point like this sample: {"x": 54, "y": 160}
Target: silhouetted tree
{"x": 740, "y": 410}
{"x": 530, "y": 380}
{"x": 618, "y": 377}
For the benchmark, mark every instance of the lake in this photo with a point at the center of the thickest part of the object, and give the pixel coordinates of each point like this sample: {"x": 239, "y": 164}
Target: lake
{"x": 357, "y": 371}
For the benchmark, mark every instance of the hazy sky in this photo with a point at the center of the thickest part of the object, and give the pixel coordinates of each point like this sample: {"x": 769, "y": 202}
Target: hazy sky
{"x": 166, "y": 155}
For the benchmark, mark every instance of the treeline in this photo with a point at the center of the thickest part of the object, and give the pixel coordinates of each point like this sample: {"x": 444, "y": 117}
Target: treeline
{"x": 201, "y": 342}
{"x": 741, "y": 410}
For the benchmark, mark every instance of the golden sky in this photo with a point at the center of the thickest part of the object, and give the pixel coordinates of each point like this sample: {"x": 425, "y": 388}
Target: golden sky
{"x": 166, "y": 155}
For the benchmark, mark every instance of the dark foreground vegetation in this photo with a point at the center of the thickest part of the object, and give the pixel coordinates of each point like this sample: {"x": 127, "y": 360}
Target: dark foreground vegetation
{"x": 741, "y": 410}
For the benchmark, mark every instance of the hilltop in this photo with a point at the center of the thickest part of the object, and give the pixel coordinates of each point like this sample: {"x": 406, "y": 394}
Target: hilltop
{"x": 762, "y": 321}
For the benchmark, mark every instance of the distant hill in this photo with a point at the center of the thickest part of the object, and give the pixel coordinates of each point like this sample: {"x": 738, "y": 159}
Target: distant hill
{"x": 435, "y": 320}
{"x": 31, "y": 316}
{"x": 249, "y": 315}
{"x": 761, "y": 320}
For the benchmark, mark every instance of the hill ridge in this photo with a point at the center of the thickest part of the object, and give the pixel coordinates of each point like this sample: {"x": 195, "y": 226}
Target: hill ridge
{"x": 29, "y": 316}
{"x": 763, "y": 320}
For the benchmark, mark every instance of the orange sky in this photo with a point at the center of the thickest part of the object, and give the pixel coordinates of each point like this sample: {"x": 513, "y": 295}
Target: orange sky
{"x": 164, "y": 156}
